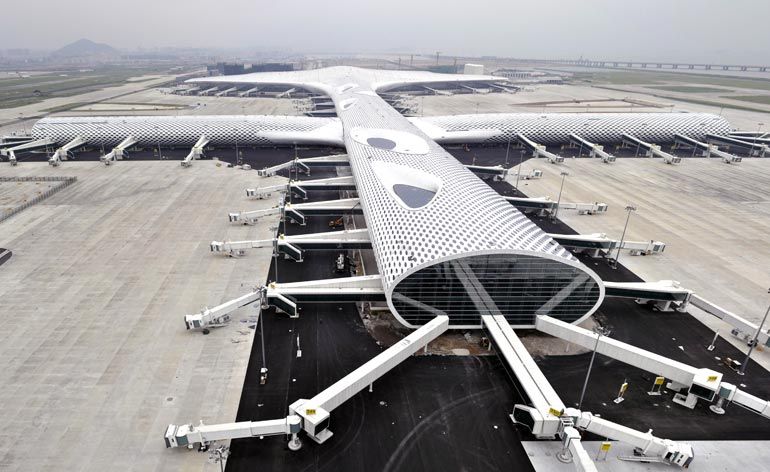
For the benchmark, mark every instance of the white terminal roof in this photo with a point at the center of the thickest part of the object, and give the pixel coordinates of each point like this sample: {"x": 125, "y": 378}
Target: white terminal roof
{"x": 421, "y": 205}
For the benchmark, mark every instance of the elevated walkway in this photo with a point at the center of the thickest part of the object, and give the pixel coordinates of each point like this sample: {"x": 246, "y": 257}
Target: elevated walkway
{"x": 119, "y": 152}
{"x": 10, "y": 152}
{"x": 311, "y": 415}
{"x": 707, "y": 150}
{"x": 63, "y": 153}
{"x": 298, "y": 212}
{"x": 755, "y": 148}
{"x": 196, "y": 152}
{"x": 538, "y": 150}
{"x": 650, "y": 150}
{"x": 595, "y": 150}
{"x": 545, "y": 206}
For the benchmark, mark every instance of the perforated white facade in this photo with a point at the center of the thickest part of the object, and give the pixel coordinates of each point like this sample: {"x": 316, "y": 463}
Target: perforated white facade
{"x": 185, "y": 130}
{"x": 555, "y": 128}
{"x": 423, "y": 207}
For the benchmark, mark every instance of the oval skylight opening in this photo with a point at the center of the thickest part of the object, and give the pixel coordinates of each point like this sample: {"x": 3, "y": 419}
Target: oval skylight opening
{"x": 413, "y": 197}
{"x": 412, "y": 188}
{"x": 381, "y": 143}
{"x": 390, "y": 140}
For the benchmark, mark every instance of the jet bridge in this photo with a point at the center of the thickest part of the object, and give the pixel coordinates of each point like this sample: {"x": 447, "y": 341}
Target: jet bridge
{"x": 545, "y": 206}
{"x": 437, "y": 91}
{"x": 650, "y": 150}
{"x": 208, "y": 91}
{"x": 119, "y": 151}
{"x": 62, "y": 154}
{"x": 293, "y": 247}
{"x": 496, "y": 172}
{"x": 359, "y": 239}
{"x": 595, "y": 150}
{"x": 707, "y": 150}
{"x": 538, "y": 150}
{"x": 225, "y": 92}
{"x": 247, "y": 93}
{"x": 220, "y": 314}
{"x": 742, "y": 328}
{"x": 306, "y": 163}
{"x": 287, "y": 93}
{"x": 10, "y": 152}
{"x": 298, "y": 212}
{"x": 548, "y": 416}
{"x": 300, "y": 188}
{"x": 699, "y": 383}
{"x": 311, "y": 415}
{"x": 599, "y": 244}
{"x": 196, "y": 152}
{"x": 661, "y": 294}
{"x": 756, "y": 149}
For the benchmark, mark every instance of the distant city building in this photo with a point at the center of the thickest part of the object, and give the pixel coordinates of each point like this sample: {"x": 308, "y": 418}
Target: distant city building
{"x": 473, "y": 69}
{"x": 234, "y": 68}
{"x": 529, "y": 76}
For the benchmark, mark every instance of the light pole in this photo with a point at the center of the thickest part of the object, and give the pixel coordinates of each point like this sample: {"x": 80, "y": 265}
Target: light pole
{"x": 629, "y": 209}
{"x": 742, "y": 370}
{"x": 507, "y": 150}
{"x": 599, "y": 333}
{"x": 518, "y": 171}
{"x": 564, "y": 175}
{"x": 235, "y": 134}
{"x": 754, "y": 143}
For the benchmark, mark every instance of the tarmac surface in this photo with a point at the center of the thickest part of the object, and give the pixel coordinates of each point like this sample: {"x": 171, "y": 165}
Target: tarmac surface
{"x": 97, "y": 361}
{"x": 451, "y": 412}
{"x": 431, "y": 412}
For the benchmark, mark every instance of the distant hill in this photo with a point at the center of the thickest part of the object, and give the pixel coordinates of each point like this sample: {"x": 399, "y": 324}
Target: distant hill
{"x": 85, "y": 48}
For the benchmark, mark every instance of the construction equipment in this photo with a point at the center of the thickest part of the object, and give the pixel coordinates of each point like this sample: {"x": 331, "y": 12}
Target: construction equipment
{"x": 337, "y": 223}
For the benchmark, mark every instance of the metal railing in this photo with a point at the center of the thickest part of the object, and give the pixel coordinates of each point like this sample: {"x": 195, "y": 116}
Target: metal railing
{"x": 65, "y": 182}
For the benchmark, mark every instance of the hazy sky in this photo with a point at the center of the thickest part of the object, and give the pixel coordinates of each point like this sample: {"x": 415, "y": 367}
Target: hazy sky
{"x": 697, "y": 30}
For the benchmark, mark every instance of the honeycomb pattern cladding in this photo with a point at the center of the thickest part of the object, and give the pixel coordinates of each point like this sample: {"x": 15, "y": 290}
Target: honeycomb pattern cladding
{"x": 185, "y": 130}
{"x": 466, "y": 216}
{"x": 555, "y": 128}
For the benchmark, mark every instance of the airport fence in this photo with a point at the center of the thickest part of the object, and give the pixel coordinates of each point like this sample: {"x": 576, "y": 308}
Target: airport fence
{"x": 65, "y": 182}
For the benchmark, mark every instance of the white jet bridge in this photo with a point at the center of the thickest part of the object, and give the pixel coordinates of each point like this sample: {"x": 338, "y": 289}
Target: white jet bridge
{"x": 756, "y": 148}
{"x": 311, "y": 415}
{"x": 10, "y": 152}
{"x": 598, "y": 244}
{"x": 545, "y": 206}
{"x": 595, "y": 150}
{"x": 707, "y": 150}
{"x": 304, "y": 164}
{"x": 301, "y": 188}
{"x": 538, "y": 150}
{"x": 650, "y": 150}
{"x": 298, "y": 212}
{"x": 548, "y": 417}
{"x": 698, "y": 383}
{"x": 62, "y": 154}
{"x": 196, "y": 152}
{"x": 119, "y": 151}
